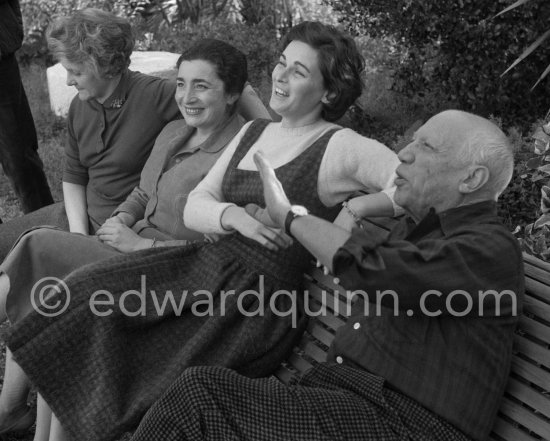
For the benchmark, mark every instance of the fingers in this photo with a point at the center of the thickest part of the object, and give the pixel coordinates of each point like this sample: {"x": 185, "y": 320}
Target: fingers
{"x": 272, "y": 238}
{"x": 108, "y": 233}
{"x": 326, "y": 272}
{"x": 265, "y": 169}
{"x": 252, "y": 210}
{"x": 260, "y": 214}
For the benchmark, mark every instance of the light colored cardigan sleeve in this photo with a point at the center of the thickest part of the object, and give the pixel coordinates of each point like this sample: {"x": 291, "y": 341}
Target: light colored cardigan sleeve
{"x": 354, "y": 162}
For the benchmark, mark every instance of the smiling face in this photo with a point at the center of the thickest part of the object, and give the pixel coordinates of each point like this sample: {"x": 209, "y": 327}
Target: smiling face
{"x": 201, "y": 97}
{"x": 87, "y": 81}
{"x": 430, "y": 172}
{"x": 298, "y": 87}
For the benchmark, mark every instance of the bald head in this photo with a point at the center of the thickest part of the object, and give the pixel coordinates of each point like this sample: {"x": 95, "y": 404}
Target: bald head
{"x": 456, "y": 158}
{"x": 478, "y": 141}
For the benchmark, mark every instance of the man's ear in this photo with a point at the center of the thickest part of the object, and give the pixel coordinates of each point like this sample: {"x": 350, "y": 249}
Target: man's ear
{"x": 477, "y": 177}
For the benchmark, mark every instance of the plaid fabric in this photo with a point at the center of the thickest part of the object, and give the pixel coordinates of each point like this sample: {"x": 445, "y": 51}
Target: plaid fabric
{"x": 101, "y": 374}
{"x": 331, "y": 402}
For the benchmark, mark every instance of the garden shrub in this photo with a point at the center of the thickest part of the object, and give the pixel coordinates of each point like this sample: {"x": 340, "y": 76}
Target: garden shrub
{"x": 258, "y": 42}
{"x": 452, "y": 53}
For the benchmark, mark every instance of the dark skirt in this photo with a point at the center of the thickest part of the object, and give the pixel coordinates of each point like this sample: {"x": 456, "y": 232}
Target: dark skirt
{"x": 100, "y": 368}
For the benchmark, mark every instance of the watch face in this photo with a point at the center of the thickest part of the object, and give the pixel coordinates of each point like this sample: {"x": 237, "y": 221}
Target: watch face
{"x": 299, "y": 210}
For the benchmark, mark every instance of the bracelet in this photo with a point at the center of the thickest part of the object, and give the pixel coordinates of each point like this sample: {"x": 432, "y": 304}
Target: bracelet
{"x": 356, "y": 218}
{"x": 154, "y": 242}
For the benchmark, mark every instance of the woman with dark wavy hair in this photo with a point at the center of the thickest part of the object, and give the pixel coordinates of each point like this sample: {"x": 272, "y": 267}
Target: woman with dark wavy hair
{"x": 235, "y": 302}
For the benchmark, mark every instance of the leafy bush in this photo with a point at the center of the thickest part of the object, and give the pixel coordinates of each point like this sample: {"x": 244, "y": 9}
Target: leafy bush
{"x": 452, "y": 53}
{"x": 258, "y": 42}
{"x": 536, "y": 238}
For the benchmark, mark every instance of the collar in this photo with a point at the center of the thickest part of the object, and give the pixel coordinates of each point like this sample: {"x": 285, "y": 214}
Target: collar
{"x": 217, "y": 140}
{"x": 457, "y": 217}
{"x": 454, "y": 218}
{"x": 120, "y": 94}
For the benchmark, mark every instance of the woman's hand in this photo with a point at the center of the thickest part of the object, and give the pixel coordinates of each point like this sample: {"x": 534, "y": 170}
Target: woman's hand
{"x": 121, "y": 237}
{"x": 237, "y": 218}
{"x": 121, "y": 218}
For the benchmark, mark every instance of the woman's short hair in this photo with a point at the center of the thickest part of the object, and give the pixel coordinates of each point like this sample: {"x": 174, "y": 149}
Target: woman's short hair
{"x": 340, "y": 61}
{"x": 94, "y": 37}
{"x": 228, "y": 61}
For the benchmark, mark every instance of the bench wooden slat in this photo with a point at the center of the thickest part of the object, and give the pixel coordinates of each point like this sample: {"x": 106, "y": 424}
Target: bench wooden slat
{"x": 536, "y": 269}
{"x": 328, "y": 299}
{"x": 538, "y": 353}
{"x": 534, "y": 328}
{"x": 327, "y": 282}
{"x": 526, "y": 418}
{"x": 299, "y": 363}
{"x": 530, "y": 372}
{"x": 313, "y": 351}
{"x": 532, "y": 305}
{"x": 330, "y": 321}
{"x": 526, "y": 394}
{"x": 508, "y": 432}
{"x": 320, "y": 333}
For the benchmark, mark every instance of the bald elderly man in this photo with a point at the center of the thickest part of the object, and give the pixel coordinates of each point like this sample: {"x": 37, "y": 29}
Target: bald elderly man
{"x": 435, "y": 367}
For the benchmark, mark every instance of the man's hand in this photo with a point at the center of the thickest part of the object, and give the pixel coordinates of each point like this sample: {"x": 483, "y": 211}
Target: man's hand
{"x": 277, "y": 204}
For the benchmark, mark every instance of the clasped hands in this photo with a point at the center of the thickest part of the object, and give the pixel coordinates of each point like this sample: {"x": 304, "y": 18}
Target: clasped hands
{"x": 116, "y": 233}
{"x": 264, "y": 225}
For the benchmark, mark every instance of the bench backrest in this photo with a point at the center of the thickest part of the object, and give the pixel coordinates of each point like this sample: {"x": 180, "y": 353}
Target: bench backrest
{"x": 525, "y": 411}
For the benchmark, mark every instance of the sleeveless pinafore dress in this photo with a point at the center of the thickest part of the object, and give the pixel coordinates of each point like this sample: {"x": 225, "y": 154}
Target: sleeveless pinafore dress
{"x": 230, "y": 303}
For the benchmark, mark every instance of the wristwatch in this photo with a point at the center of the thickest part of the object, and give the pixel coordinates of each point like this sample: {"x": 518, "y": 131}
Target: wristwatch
{"x": 294, "y": 212}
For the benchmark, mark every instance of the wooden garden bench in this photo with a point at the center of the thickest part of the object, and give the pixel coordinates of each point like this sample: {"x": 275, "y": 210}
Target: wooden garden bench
{"x": 524, "y": 414}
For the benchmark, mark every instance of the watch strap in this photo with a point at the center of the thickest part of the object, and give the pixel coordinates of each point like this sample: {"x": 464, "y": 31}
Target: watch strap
{"x": 290, "y": 216}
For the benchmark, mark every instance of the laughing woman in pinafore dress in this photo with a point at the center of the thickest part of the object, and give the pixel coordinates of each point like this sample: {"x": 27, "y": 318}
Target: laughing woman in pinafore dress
{"x": 100, "y": 371}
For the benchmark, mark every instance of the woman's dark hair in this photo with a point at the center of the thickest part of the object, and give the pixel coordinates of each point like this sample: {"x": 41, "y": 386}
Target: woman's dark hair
{"x": 340, "y": 63}
{"x": 229, "y": 62}
{"x": 94, "y": 37}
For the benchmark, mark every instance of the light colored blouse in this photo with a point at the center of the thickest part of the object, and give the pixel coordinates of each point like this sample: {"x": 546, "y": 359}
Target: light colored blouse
{"x": 351, "y": 163}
